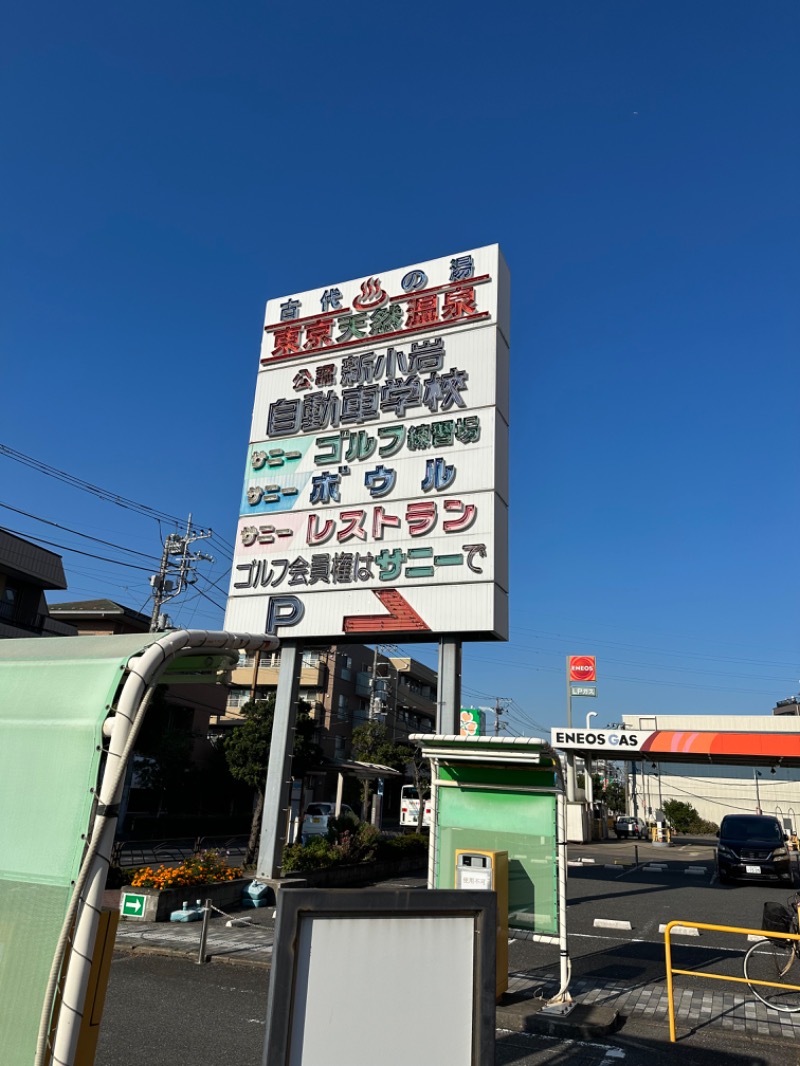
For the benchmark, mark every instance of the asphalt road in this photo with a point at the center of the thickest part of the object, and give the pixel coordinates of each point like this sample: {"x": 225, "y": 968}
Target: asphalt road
{"x": 162, "y": 1011}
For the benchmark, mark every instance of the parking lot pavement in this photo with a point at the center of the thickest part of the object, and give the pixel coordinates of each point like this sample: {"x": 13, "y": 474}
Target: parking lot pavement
{"x": 248, "y": 936}
{"x": 613, "y": 967}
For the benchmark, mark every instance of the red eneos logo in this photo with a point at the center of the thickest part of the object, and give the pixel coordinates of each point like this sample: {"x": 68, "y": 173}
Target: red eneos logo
{"x": 582, "y": 668}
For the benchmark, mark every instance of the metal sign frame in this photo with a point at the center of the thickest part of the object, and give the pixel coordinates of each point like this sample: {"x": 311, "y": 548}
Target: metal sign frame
{"x": 304, "y": 969}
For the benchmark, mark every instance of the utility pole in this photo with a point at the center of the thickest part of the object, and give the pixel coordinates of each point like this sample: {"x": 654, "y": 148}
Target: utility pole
{"x": 176, "y": 570}
{"x": 498, "y": 710}
{"x": 379, "y": 693}
{"x": 373, "y": 688}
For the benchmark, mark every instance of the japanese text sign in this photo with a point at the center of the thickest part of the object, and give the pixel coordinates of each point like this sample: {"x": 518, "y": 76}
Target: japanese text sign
{"x": 375, "y": 491}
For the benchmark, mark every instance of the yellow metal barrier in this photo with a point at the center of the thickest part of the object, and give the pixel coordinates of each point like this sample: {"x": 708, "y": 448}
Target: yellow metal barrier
{"x": 715, "y": 976}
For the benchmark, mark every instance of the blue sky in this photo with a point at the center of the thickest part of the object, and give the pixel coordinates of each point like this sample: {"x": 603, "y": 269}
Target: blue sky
{"x": 168, "y": 168}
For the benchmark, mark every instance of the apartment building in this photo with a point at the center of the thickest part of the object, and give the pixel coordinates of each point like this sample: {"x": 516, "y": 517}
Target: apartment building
{"x": 27, "y": 572}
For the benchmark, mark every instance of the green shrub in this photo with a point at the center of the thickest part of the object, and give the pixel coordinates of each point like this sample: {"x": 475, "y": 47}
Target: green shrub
{"x": 686, "y": 819}
{"x": 706, "y": 828}
{"x": 349, "y": 846}
{"x": 356, "y": 844}
{"x": 345, "y": 823}
{"x": 317, "y": 854}
{"x": 407, "y": 844}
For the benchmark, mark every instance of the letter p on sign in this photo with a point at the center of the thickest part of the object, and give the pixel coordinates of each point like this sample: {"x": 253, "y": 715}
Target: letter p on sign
{"x": 582, "y": 668}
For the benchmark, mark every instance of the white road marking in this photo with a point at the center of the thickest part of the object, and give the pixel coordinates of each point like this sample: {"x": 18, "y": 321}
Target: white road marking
{"x": 681, "y": 930}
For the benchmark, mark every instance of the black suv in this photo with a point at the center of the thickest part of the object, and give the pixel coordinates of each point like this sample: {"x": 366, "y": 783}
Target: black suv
{"x": 752, "y": 847}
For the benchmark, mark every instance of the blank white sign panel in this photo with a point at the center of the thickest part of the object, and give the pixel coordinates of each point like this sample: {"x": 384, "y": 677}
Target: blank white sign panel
{"x": 383, "y": 990}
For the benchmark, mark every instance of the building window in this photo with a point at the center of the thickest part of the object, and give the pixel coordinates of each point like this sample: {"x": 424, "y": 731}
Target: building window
{"x": 8, "y": 601}
{"x": 338, "y": 747}
{"x": 341, "y": 708}
{"x": 360, "y": 715}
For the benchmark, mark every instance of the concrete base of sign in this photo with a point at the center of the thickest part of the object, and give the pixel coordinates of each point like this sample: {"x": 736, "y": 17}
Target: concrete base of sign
{"x": 521, "y": 1012}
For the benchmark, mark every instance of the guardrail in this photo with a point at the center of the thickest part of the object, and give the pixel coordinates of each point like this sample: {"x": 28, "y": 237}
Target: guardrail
{"x": 763, "y": 933}
{"x": 133, "y": 853}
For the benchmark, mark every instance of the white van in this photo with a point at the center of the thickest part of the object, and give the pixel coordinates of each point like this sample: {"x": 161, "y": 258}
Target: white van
{"x": 409, "y": 809}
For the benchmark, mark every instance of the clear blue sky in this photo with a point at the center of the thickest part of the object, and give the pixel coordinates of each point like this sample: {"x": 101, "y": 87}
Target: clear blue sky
{"x": 168, "y": 167}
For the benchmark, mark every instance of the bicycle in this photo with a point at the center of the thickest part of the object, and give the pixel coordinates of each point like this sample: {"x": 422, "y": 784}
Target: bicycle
{"x": 768, "y": 962}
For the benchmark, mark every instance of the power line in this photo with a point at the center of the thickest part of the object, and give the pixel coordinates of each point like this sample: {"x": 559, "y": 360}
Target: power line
{"x": 655, "y": 666}
{"x": 199, "y": 592}
{"x": 87, "y": 486}
{"x": 639, "y": 680}
{"x": 76, "y": 551}
{"x": 75, "y": 532}
{"x": 646, "y": 647}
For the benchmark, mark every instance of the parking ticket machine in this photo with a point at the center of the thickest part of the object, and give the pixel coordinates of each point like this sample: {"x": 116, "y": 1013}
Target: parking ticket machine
{"x": 488, "y": 870}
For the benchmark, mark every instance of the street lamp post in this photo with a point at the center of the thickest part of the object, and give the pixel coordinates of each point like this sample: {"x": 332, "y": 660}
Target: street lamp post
{"x": 756, "y": 775}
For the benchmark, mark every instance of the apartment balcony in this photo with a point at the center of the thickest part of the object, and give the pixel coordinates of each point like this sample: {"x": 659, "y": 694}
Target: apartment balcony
{"x": 312, "y": 675}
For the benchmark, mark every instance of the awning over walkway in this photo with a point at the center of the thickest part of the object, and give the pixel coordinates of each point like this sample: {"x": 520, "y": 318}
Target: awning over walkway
{"x": 353, "y": 768}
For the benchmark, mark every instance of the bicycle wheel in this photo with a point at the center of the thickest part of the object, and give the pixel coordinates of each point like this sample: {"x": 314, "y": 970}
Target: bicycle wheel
{"x": 771, "y": 961}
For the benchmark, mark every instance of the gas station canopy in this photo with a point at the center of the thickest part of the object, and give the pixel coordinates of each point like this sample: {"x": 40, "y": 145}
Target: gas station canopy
{"x": 722, "y": 748}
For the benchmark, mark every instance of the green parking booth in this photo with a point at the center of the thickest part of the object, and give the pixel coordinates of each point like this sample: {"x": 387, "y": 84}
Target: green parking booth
{"x": 503, "y": 794}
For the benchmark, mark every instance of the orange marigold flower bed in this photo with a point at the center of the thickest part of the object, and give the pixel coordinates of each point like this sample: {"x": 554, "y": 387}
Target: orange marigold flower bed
{"x": 202, "y": 869}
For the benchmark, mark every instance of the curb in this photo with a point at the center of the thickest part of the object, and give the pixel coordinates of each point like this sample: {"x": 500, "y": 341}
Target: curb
{"x": 189, "y": 956}
{"x": 521, "y": 1013}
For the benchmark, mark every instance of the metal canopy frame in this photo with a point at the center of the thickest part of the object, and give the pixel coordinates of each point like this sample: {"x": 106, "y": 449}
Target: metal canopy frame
{"x": 148, "y": 660}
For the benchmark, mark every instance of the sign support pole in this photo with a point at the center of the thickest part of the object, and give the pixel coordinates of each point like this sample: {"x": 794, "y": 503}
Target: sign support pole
{"x": 279, "y": 772}
{"x": 448, "y": 706}
{"x": 569, "y": 698}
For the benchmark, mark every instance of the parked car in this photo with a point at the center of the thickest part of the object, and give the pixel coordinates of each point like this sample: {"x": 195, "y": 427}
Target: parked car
{"x": 317, "y": 816}
{"x": 752, "y": 847}
{"x": 630, "y": 827}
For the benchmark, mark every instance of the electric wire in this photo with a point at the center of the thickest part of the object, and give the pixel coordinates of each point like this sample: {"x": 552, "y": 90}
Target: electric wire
{"x": 77, "y": 533}
{"x": 646, "y": 647}
{"x": 76, "y": 551}
{"x": 103, "y": 494}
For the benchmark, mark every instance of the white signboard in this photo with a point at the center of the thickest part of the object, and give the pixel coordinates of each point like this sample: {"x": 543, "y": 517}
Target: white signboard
{"x": 609, "y": 740}
{"x": 375, "y": 492}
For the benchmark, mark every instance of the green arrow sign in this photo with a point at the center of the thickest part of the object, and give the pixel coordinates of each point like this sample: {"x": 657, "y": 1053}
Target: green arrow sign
{"x": 133, "y": 905}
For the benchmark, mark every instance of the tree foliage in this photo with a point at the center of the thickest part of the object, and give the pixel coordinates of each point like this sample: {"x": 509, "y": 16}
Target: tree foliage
{"x": 614, "y": 796}
{"x": 611, "y": 793}
{"x": 372, "y": 743}
{"x": 248, "y": 746}
{"x": 685, "y": 818}
{"x": 247, "y": 753}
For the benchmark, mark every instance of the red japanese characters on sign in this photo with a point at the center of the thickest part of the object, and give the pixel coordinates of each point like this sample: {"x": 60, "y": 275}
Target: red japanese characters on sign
{"x": 375, "y": 492}
{"x": 377, "y": 317}
{"x": 582, "y": 668}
